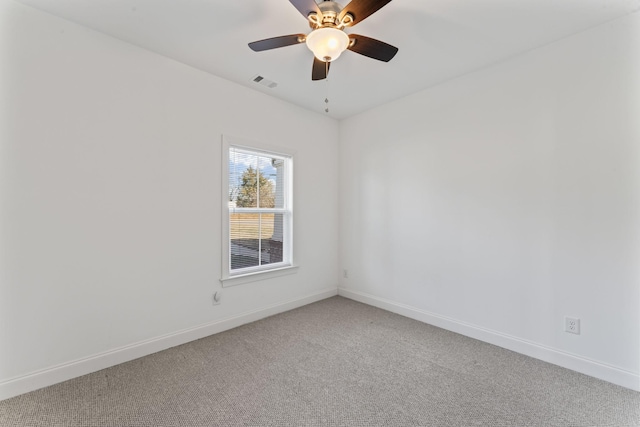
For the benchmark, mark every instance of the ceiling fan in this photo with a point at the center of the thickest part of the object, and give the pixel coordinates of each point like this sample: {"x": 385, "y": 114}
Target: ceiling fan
{"x": 328, "y": 40}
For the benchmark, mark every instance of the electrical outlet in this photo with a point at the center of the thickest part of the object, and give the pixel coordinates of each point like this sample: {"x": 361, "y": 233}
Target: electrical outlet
{"x": 572, "y": 325}
{"x": 345, "y": 273}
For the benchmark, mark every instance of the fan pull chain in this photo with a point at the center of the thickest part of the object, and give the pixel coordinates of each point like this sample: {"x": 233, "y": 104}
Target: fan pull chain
{"x": 326, "y": 98}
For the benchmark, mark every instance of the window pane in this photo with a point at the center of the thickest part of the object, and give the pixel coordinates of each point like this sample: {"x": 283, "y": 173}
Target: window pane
{"x": 243, "y": 179}
{"x": 244, "y": 246}
{"x": 279, "y": 171}
{"x": 268, "y": 182}
{"x": 273, "y": 225}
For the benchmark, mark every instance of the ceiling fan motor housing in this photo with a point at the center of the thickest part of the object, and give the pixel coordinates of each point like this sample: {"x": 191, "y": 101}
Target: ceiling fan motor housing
{"x": 330, "y": 11}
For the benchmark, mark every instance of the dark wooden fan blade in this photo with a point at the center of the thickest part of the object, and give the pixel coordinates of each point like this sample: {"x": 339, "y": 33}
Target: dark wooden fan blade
{"x": 362, "y": 9}
{"x": 305, "y": 7}
{"x": 276, "y": 42}
{"x": 372, "y": 48}
{"x": 320, "y": 69}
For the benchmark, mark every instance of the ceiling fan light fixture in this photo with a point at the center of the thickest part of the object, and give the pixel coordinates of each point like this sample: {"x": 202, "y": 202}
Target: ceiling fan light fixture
{"x": 327, "y": 43}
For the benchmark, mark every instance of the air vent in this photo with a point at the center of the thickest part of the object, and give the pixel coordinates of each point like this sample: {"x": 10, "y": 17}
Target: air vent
{"x": 265, "y": 82}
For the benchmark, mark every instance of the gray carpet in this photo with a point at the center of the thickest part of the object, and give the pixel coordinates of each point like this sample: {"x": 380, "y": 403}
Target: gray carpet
{"x": 333, "y": 363}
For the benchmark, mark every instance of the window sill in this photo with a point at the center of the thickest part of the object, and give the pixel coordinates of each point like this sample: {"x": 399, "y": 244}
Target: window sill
{"x": 258, "y": 275}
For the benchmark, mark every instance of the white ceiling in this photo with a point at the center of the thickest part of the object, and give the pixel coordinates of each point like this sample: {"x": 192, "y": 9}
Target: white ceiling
{"x": 438, "y": 40}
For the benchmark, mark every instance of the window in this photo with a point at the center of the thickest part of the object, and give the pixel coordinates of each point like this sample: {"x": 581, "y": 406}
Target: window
{"x": 257, "y": 211}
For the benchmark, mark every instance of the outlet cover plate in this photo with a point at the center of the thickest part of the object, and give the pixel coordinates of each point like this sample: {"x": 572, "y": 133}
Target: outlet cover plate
{"x": 572, "y": 325}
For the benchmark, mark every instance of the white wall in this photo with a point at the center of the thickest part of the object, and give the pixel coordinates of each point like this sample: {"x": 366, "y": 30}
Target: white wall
{"x": 110, "y": 199}
{"x": 499, "y": 202}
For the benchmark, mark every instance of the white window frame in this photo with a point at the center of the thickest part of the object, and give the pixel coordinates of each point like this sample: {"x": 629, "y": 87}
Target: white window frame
{"x": 250, "y": 274}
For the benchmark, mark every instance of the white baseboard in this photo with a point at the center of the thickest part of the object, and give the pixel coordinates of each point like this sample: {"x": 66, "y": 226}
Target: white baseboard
{"x": 66, "y": 371}
{"x": 574, "y": 362}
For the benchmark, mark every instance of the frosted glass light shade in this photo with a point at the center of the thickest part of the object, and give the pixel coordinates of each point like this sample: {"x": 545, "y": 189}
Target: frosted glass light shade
{"x": 327, "y": 43}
